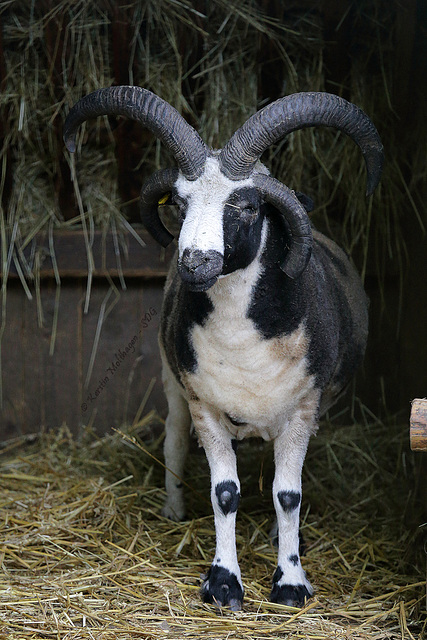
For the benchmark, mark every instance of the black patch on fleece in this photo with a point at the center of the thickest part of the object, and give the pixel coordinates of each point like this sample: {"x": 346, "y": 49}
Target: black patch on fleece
{"x": 293, "y": 559}
{"x": 278, "y": 303}
{"x": 315, "y": 300}
{"x": 289, "y": 500}
{"x": 189, "y": 308}
{"x": 277, "y": 575}
{"x": 242, "y": 225}
{"x": 228, "y": 496}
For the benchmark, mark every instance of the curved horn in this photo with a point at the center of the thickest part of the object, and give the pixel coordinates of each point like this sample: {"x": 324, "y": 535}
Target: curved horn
{"x": 295, "y": 218}
{"x": 154, "y": 113}
{"x": 152, "y": 190}
{"x": 298, "y": 111}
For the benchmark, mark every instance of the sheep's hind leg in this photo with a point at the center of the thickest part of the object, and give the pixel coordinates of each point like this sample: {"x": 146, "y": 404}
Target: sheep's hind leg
{"x": 177, "y": 430}
{"x": 290, "y": 585}
{"x": 222, "y": 585}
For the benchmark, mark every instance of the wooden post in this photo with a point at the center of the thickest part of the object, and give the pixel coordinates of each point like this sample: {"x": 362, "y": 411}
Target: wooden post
{"x": 418, "y": 425}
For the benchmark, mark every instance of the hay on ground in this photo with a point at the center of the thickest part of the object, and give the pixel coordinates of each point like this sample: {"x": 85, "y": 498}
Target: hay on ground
{"x": 85, "y": 552}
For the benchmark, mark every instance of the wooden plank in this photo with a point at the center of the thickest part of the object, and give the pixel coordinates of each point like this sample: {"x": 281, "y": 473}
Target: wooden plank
{"x": 418, "y": 425}
{"x": 126, "y": 358}
{"x": 13, "y": 359}
{"x": 152, "y": 300}
{"x": 40, "y": 390}
{"x": 45, "y": 391}
{"x": 60, "y": 370}
{"x": 135, "y": 261}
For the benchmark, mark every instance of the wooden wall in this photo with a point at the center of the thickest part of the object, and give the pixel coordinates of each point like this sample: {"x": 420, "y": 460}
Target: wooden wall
{"x": 43, "y": 389}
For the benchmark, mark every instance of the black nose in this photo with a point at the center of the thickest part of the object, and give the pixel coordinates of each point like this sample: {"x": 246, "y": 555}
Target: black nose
{"x": 200, "y": 269}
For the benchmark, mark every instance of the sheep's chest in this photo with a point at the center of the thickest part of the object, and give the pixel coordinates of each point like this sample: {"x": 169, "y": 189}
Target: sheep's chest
{"x": 253, "y": 380}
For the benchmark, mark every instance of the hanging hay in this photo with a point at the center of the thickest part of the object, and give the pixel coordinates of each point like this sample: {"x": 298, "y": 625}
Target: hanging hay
{"x": 211, "y": 65}
{"x": 85, "y": 552}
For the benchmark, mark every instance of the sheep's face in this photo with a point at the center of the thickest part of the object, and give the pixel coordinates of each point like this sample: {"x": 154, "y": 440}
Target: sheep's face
{"x": 221, "y": 225}
{"x": 219, "y": 192}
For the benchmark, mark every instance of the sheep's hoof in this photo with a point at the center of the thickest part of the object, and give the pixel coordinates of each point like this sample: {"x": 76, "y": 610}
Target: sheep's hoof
{"x": 222, "y": 588}
{"x": 292, "y": 595}
{"x": 175, "y": 513}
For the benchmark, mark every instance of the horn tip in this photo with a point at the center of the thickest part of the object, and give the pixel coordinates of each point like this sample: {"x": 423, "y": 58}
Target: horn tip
{"x": 374, "y": 163}
{"x": 373, "y": 180}
{"x": 70, "y": 142}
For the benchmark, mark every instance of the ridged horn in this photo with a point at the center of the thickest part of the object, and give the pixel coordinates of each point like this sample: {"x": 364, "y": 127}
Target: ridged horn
{"x": 298, "y": 111}
{"x": 152, "y": 190}
{"x": 295, "y": 218}
{"x": 155, "y": 114}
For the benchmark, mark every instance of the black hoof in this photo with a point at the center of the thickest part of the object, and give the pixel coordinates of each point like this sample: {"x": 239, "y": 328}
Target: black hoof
{"x": 222, "y": 588}
{"x": 290, "y": 594}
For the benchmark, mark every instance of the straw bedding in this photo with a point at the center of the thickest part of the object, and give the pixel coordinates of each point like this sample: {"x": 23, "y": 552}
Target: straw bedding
{"x": 85, "y": 552}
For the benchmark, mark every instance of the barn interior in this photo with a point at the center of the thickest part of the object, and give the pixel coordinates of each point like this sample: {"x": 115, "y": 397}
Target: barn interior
{"x": 84, "y": 550}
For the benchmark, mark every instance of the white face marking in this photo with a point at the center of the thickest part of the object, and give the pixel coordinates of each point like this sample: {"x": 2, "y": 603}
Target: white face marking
{"x": 203, "y": 225}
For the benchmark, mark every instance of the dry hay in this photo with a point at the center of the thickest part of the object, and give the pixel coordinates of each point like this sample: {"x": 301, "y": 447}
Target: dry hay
{"x": 85, "y": 552}
{"x": 211, "y": 66}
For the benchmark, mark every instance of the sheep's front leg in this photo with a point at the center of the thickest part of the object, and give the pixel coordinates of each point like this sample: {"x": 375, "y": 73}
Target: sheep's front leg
{"x": 223, "y": 585}
{"x": 177, "y": 430}
{"x": 290, "y": 585}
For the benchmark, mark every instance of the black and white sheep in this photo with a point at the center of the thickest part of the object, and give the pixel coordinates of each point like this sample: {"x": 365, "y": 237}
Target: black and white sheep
{"x": 264, "y": 319}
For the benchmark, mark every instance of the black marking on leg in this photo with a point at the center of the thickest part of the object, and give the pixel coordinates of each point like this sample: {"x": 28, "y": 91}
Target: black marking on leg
{"x": 222, "y": 588}
{"x": 294, "y": 559}
{"x": 293, "y": 595}
{"x": 228, "y": 496}
{"x": 289, "y": 500}
{"x": 179, "y": 485}
{"x": 277, "y": 574}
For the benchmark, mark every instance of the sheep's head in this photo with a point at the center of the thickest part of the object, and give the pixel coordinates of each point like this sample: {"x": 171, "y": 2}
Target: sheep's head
{"x": 219, "y": 194}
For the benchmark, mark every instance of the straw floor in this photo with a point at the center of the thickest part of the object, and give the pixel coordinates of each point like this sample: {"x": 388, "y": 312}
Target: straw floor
{"x": 85, "y": 552}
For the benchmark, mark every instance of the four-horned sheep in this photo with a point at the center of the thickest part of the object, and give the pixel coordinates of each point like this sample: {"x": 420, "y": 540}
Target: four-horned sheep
{"x": 264, "y": 319}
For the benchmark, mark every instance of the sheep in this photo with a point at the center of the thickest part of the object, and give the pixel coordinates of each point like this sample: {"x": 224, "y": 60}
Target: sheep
{"x": 264, "y": 320}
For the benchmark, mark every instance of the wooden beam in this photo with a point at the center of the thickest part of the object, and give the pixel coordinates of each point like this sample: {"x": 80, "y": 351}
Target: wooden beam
{"x": 418, "y": 425}
{"x": 71, "y": 255}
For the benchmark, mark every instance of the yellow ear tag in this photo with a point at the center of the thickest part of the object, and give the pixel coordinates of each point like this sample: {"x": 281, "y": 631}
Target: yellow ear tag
{"x": 164, "y": 199}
